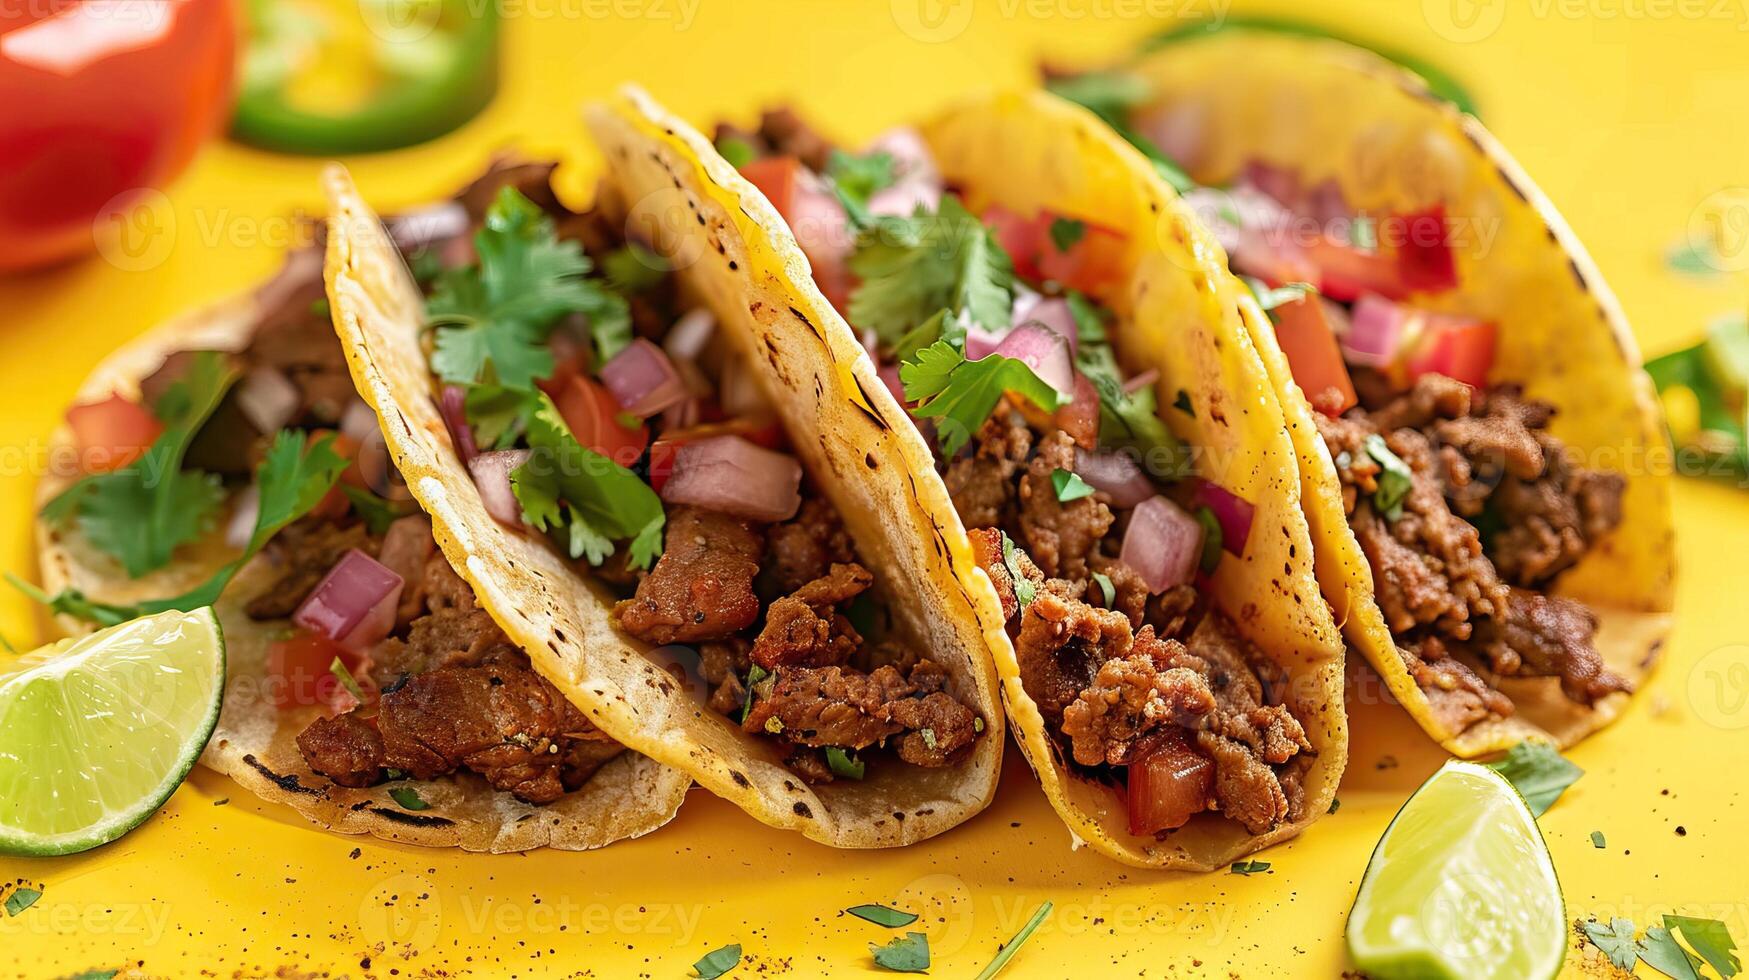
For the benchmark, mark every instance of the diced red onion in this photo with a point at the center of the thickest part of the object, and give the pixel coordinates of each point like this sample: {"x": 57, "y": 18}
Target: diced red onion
{"x": 1231, "y": 512}
{"x": 1162, "y": 543}
{"x": 820, "y": 225}
{"x": 734, "y": 476}
{"x": 1043, "y": 350}
{"x": 911, "y": 157}
{"x": 358, "y": 421}
{"x": 1377, "y": 329}
{"x": 268, "y": 399}
{"x": 355, "y": 604}
{"x": 981, "y": 343}
{"x": 427, "y": 225}
{"x": 243, "y": 517}
{"x": 491, "y": 473}
{"x": 689, "y": 336}
{"x": 642, "y": 379}
{"x": 1054, "y": 314}
{"x": 1144, "y": 380}
{"x": 902, "y": 199}
{"x": 1117, "y": 474}
{"x": 452, "y": 405}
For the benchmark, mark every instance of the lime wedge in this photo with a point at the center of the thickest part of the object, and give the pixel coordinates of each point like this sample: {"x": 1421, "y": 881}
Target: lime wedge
{"x": 96, "y": 732}
{"x": 1461, "y": 885}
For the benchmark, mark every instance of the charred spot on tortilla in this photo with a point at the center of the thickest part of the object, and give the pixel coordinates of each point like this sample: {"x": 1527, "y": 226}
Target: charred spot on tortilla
{"x": 288, "y": 782}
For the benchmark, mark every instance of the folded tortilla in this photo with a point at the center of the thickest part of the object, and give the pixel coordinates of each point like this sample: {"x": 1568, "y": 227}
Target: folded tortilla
{"x": 1330, "y": 111}
{"x": 729, "y": 254}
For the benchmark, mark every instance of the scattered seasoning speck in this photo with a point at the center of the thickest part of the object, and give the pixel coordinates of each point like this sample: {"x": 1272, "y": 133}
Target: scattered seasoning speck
{"x": 1681, "y": 831}
{"x": 222, "y": 802}
{"x": 355, "y": 853}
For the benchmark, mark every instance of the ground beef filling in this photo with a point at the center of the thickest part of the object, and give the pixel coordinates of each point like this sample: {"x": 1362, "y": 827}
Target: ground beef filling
{"x": 1496, "y": 509}
{"x": 817, "y": 682}
{"x": 1123, "y": 679}
{"x": 457, "y": 693}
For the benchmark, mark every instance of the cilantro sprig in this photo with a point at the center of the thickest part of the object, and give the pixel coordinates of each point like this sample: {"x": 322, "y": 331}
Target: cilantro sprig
{"x": 912, "y": 268}
{"x": 499, "y": 311}
{"x": 1539, "y": 771}
{"x": 585, "y": 499}
{"x": 1126, "y": 418}
{"x": 1710, "y": 940}
{"x": 140, "y": 514}
{"x": 960, "y": 394}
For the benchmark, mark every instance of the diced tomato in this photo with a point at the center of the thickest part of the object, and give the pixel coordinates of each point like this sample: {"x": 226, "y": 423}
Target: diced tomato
{"x": 815, "y": 216}
{"x": 1169, "y": 782}
{"x": 1020, "y": 237}
{"x": 298, "y": 673}
{"x": 1303, "y": 330}
{"x": 594, "y": 417}
{"x": 335, "y": 503}
{"x": 112, "y": 433}
{"x": 1456, "y": 347}
{"x": 1345, "y": 272}
{"x": 1425, "y": 262}
{"x": 1092, "y": 265}
{"x": 767, "y": 433}
{"x": 1080, "y": 418}
{"x": 570, "y": 359}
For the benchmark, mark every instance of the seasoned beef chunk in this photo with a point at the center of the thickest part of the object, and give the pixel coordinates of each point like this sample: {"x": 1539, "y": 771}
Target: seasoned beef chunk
{"x": 501, "y": 720}
{"x": 304, "y": 552}
{"x": 1059, "y": 536}
{"x": 723, "y": 659}
{"x": 982, "y": 483}
{"x": 454, "y": 630}
{"x": 804, "y": 629}
{"x": 344, "y": 748}
{"x": 1132, "y": 696}
{"x": 936, "y": 728}
{"x": 835, "y": 706}
{"x": 702, "y": 587}
{"x": 782, "y": 132}
{"x": 1061, "y": 647}
{"x": 1549, "y": 636}
{"x": 1246, "y": 789}
{"x": 299, "y": 342}
{"x": 805, "y": 547}
{"x": 1247, "y": 711}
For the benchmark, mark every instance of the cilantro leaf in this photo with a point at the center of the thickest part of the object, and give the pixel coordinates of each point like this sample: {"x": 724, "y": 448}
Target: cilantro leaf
{"x": 634, "y": 268}
{"x": 755, "y": 674}
{"x": 1616, "y": 940}
{"x": 1106, "y": 588}
{"x": 880, "y": 915}
{"x": 1282, "y": 295}
{"x": 1539, "y": 771}
{"x": 1212, "y": 539}
{"x": 1663, "y": 953}
{"x": 856, "y": 178}
{"x": 1394, "y": 478}
{"x": 409, "y": 798}
{"x": 292, "y": 479}
{"x": 1598, "y": 841}
{"x": 1129, "y": 418}
{"x": 21, "y": 898}
{"x": 344, "y": 676}
{"x": 1711, "y": 939}
{"x": 1065, "y": 232}
{"x": 718, "y": 962}
{"x": 499, "y": 415}
{"x": 736, "y": 150}
{"x": 960, "y": 394}
{"x": 1069, "y": 486}
{"x": 912, "y": 267}
{"x": 906, "y": 954}
{"x": 141, "y": 513}
{"x": 376, "y": 512}
{"x": 1025, "y": 589}
{"x": 844, "y": 764}
{"x": 1012, "y": 945}
{"x": 1247, "y": 868}
{"x": 498, "y": 312}
{"x": 584, "y": 496}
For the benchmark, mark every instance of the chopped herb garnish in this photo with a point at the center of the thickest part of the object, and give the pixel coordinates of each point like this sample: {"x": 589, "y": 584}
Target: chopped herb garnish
{"x": 21, "y": 899}
{"x": 1685, "y": 258}
{"x": 426, "y": 265}
{"x": 718, "y": 962}
{"x": 141, "y": 513}
{"x": 1069, "y": 486}
{"x": 906, "y": 954}
{"x": 1335, "y": 804}
{"x": 880, "y": 915}
{"x": 739, "y": 153}
{"x": 1663, "y": 953}
{"x": 844, "y": 765}
{"x": 1182, "y": 403}
{"x": 293, "y": 478}
{"x": 960, "y": 394}
{"x": 1106, "y": 588}
{"x": 1598, "y": 841}
{"x": 1065, "y": 232}
{"x": 408, "y": 798}
{"x": 856, "y": 178}
{"x": 1126, "y": 418}
{"x": 755, "y": 674}
{"x": 1269, "y": 298}
{"x": 1711, "y": 939}
{"x": 346, "y": 679}
{"x": 913, "y": 267}
{"x": 1702, "y": 388}
{"x": 1539, "y": 771}
{"x": 1394, "y": 479}
{"x": 583, "y": 498}
{"x": 1248, "y": 867}
{"x": 1212, "y": 539}
{"x": 634, "y": 268}
{"x": 377, "y": 512}
{"x": 319, "y": 307}
{"x": 1009, "y": 947}
{"x": 497, "y": 313}
{"x": 1616, "y": 939}
{"x": 1025, "y": 589}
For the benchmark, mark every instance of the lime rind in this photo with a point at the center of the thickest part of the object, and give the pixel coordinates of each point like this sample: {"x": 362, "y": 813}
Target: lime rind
{"x": 1460, "y": 885}
{"x": 96, "y": 733}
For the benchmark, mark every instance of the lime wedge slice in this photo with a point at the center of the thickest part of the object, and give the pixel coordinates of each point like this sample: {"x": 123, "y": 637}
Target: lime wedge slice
{"x": 1460, "y": 886}
{"x": 96, "y": 732}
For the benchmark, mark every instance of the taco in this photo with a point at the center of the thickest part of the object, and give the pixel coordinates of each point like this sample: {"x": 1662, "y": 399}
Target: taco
{"x": 1478, "y": 444}
{"x": 1126, "y": 499}
{"x": 226, "y": 460}
{"x": 666, "y": 476}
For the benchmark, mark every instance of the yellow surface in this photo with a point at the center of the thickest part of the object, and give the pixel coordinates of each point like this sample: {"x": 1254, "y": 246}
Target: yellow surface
{"x": 1629, "y": 114}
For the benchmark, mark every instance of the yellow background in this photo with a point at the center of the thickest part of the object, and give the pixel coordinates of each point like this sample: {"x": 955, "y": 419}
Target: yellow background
{"x": 1630, "y": 113}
